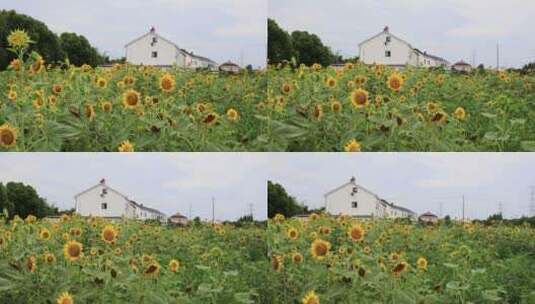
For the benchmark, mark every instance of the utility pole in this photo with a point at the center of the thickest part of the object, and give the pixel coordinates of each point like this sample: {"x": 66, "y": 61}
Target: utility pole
{"x": 532, "y": 201}
{"x": 251, "y": 210}
{"x": 190, "y": 211}
{"x": 498, "y": 57}
{"x": 500, "y": 208}
{"x": 213, "y": 209}
{"x": 441, "y": 208}
{"x": 474, "y": 52}
{"x": 463, "y": 207}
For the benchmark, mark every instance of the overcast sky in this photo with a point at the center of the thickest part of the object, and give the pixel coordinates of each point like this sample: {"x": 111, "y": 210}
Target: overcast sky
{"x": 219, "y": 29}
{"x": 169, "y": 182}
{"x": 453, "y": 29}
{"x": 418, "y": 181}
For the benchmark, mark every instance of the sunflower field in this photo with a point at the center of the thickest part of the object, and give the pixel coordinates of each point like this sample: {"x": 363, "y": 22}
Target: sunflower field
{"x": 377, "y": 108}
{"x": 329, "y": 259}
{"x": 125, "y": 108}
{"x": 92, "y": 260}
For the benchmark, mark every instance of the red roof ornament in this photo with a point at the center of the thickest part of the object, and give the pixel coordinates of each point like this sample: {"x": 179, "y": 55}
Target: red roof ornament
{"x": 386, "y": 28}
{"x": 152, "y": 29}
{"x": 103, "y": 181}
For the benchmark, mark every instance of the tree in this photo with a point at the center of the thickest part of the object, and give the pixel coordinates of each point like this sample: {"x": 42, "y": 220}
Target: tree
{"x": 79, "y": 51}
{"x": 26, "y": 201}
{"x": 279, "y": 44}
{"x": 279, "y": 201}
{"x": 46, "y": 43}
{"x": 528, "y": 69}
{"x": 310, "y": 49}
{"x": 4, "y": 200}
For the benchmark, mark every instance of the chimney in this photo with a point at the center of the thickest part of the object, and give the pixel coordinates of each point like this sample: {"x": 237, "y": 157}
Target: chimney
{"x": 353, "y": 179}
{"x": 386, "y": 29}
{"x": 103, "y": 181}
{"x": 153, "y": 30}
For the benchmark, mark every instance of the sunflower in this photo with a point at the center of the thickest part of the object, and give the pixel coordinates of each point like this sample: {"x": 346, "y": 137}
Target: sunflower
{"x": 30, "y": 263}
{"x": 50, "y": 258}
{"x": 311, "y": 298}
{"x": 89, "y": 111}
{"x": 167, "y": 83}
{"x": 109, "y": 234}
{"x": 232, "y": 114}
{"x": 297, "y": 258}
{"x": 126, "y": 146}
{"x": 57, "y": 89}
{"x": 277, "y": 262}
{"x": 292, "y": 233}
{"x": 318, "y": 112}
{"x": 72, "y": 250}
{"x": 44, "y": 234}
{"x": 131, "y": 99}
{"x": 152, "y": 270}
{"x": 65, "y": 298}
{"x": 15, "y": 65}
{"x": 128, "y": 80}
{"x": 395, "y": 82}
{"x": 432, "y": 107}
{"x": 12, "y": 95}
{"x": 319, "y": 249}
{"x": 210, "y": 119}
{"x": 18, "y": 39}
{"x": 37, "y": 66}
{"x": 336, "y": 106}
{"x": 460, "y": 113}
{"x": 106, "y": 106}
{"x": 8, "y": 136}
{"x": 439, "y": 117}
{"x": 286, "y": 88}
{"x": 330, "y": 82}
{"x": 421, "y": 263}
{"x": 101, "y": 82}
{"x": 352, "y": 146}
{"x": 400, "y": 268}
{"x": 174, "y": 265}
{"x": 356, "y": 232}
{"x": 359, "y": 98}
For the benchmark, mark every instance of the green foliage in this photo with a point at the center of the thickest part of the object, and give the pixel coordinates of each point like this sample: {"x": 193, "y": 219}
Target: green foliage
{"x": 301, "y": 46}
{"x": 280, "y": 202}
{"x": 79, "y": 51}
{"x": 466, "y": 263}
{"x": 46, "y": 42}
{"x": 22, "y": 200}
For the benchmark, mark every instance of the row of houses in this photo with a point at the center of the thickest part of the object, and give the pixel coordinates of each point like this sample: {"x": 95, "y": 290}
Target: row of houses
{"x": 154, "y": 50}
{"x": 388, "y": 49}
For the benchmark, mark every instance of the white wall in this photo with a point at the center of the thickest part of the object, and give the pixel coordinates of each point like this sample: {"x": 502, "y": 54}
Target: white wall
{"x": 374, "y": 51}
{"x": 340, "y": 202}
{"x": 140, "y": 52}
{"x": 90, "y": 203}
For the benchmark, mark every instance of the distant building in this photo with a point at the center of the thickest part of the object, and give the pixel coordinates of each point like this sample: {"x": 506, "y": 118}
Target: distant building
{"x": 461, "y": 66}
{"x": 354, "y": 200}
{"x": 178, "y": 219}
{"x": 428, "y": 218}
{"x": 387, "y": 49}
{"x": 230, "y": 67}
{"x": 103, "y": 201}
{"x": 155, "y": 50}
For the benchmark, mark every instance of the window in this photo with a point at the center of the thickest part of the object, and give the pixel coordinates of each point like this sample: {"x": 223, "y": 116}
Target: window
{"x": 388, "y": 54}
{"x": 354, "y": 204}
{"x": 154, "y": 54}
{"x": 154, "y": 40}
{"x": 388, "y": 39}
{"x": 104, "y": 206}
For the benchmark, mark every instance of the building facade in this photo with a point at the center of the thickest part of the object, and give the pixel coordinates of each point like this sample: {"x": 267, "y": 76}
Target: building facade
{"x": 356, "y": 201}
{"x": 103, "y": 201}
{"x": 386, "y": 48}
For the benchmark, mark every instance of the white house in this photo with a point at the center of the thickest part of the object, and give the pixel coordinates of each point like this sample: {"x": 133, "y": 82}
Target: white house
{"x": 461, "y": 66}
{"x": 155, "y": 50}
{"x": 230, "y": 67}
{"x": 103, "y": 201}
{"x": 354, "y": 200}
{"x": 387, "y": 49}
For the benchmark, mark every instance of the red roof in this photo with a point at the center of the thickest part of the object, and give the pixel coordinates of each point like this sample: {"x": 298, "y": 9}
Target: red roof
{"x": 462, "y": 63}
{"x": 428, "y": 214}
